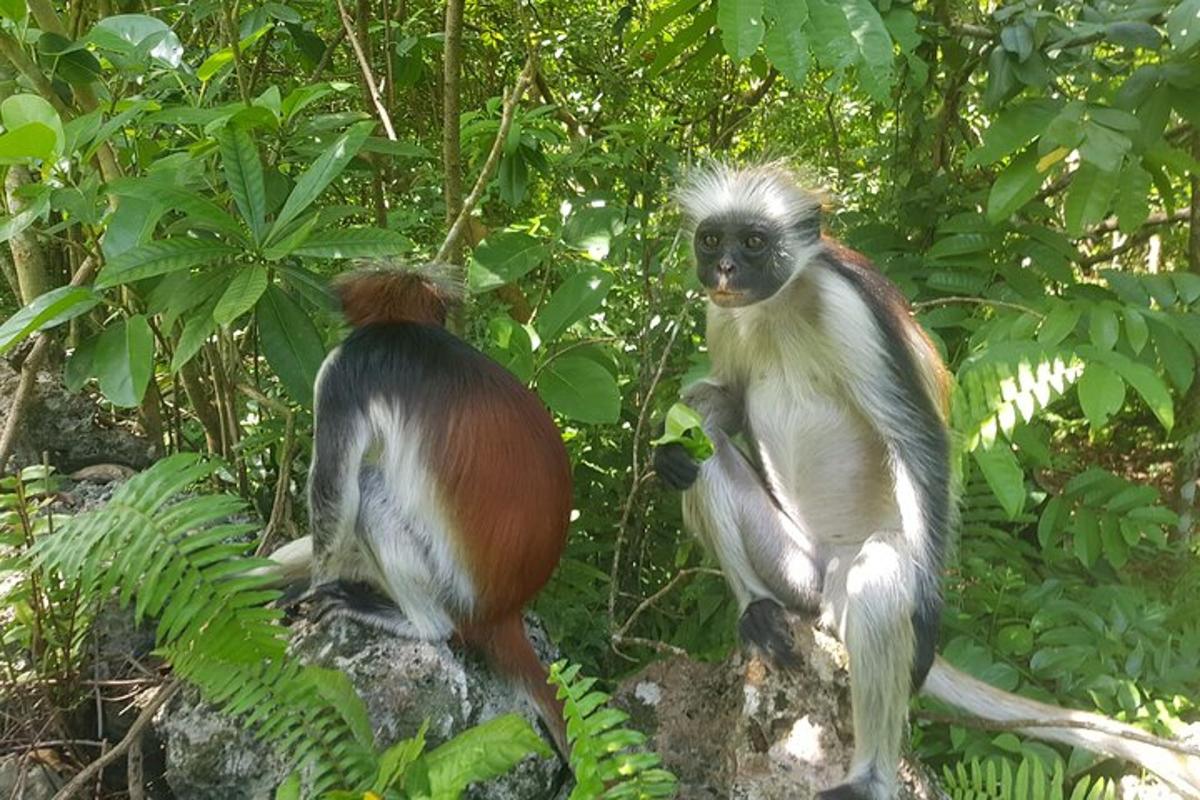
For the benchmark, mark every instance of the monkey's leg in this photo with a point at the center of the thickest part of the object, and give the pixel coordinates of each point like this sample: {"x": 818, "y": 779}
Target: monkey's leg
{"x": 870, "y": 600}
{"x": 766, "y": 559}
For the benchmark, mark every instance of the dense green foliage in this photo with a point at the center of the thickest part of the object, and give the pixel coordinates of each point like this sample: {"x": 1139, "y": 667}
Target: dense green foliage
{"x": 181, "y": 183}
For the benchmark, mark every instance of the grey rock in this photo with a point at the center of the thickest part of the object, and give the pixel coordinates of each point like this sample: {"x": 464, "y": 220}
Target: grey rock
{"x": 67, "y": 427}
{"x": 402, "y": 682}
{"x": 740, "y": 730}
{"x": 28, "y": 777}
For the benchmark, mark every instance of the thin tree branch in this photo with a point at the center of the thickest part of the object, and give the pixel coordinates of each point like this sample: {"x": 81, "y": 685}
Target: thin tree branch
{"x": 29, "y": 373}
{"x": 654, "y": 598}
{"x": 979, "y": 301}
{"x": 364, "y": 66}
{"x": 165, "y": 693}
{"x": 327, "y": 56}
{"x": 1154, "y": 220}
{"x": 454, "y": 235}
{"x": 451, "y": 132}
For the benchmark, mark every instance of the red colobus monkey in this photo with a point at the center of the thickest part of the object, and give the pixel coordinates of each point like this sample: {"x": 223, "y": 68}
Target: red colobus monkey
{"x": 841, "y": 504}
{"x": 440, "y": 489}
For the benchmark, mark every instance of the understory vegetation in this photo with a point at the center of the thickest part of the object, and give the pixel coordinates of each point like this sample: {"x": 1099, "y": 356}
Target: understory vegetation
{"x": 182, "y": 180}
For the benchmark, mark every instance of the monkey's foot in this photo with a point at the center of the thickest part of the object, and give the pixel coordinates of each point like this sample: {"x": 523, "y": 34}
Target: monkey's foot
{"x": 359, "y": 602}
{"x": 847, "y": 791}
{"x": 764, "y": 626}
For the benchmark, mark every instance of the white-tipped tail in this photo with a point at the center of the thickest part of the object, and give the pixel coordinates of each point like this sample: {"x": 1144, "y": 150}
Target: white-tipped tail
{"x": 293, "y": 563}
{"x": 1090, "y": 731}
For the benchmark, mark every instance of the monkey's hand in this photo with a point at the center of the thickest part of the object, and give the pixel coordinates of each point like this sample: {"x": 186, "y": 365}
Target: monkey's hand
{"x": 675, "y": 466}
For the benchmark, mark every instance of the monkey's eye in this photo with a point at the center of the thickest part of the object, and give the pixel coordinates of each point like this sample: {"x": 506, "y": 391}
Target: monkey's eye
{"x": 710, "y": 240}
{"x": 754, "y": 242}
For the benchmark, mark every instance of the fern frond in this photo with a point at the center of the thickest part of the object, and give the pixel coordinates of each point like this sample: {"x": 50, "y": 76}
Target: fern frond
{"x": 182, "y": 563}
{"x": 605, "y": 756}
{"x": 1009, "y": 383}
{"x": 994, "y": 779}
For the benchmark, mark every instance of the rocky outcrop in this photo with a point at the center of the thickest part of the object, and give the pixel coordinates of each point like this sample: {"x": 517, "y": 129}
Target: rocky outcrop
{"x": 738, "y": 729}
{"x": 402, "y": 683}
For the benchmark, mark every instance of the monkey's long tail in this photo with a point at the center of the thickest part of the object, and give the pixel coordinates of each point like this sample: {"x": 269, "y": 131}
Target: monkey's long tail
{"x": 1081, "y": 729}
{"x": 293, "y": 563}
{"x": 510, "y": 653}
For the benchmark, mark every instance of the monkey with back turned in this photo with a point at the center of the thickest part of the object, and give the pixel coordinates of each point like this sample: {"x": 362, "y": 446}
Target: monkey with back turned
{"x": 841, "y": 504}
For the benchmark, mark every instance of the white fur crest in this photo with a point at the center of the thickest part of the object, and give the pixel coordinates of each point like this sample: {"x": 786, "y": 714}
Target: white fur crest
{"x": 769, "y": 190}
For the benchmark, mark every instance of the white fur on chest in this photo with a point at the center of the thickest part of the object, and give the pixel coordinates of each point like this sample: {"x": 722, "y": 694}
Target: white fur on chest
{"x": 825, "y": 462}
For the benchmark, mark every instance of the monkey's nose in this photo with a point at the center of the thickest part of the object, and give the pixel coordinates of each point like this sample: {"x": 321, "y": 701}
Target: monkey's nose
{"x": 725, "y": 266}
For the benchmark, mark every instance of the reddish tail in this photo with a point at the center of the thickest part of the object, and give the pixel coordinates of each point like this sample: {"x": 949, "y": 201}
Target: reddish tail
{"x": 508, "y": 650}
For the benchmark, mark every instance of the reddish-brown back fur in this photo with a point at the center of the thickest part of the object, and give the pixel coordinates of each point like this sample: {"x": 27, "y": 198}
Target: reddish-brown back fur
{"x": 506, "y": 481}
{"x": 385, "y": 294}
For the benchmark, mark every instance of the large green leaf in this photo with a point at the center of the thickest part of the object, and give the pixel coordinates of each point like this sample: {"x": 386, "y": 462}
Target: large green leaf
{"x": 35, "y": 207}
{"x": 1015, "y": 186}
{"x": 124, "y": 360}
{"x": 290, "y": 342}
{"x": 52, "y": 308}
{"x": 786, "y": 44}
{"x": 503, "y": 258}
{"x": 33, "y": 140}
{"x": 200, "y": 326}
{"x": 1152, "y": 389}
{"x": 322, "y": 172}
{"x": 1015, "y": 127}
{"x": 1183, "y": 25}
{"x": 581, "y": 389}
{"x": 354, "y": 243}
{"x": 829, "y": 31}
{"x": 579, "y": 295}
{"x": 1101, "y": 393}
{"x": 875, "y": 47}
{"x": 1004, "y": 475}
{"x": 247, "y": 286}
{"x": 741, "y": 26}
{"x": 20, "y": 110}
{"x": 489, "y": 749}
{"x": 157, "y": 258}
{"x": 139, "y": 37}
{"x": 1088, "y": 197}
{"x": 244, "y": 175}
{"x": 1132, "y": 201}
{"x": 198, "y": 210}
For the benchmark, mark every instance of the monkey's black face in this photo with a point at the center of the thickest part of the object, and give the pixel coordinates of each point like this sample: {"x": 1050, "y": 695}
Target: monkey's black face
{"x": 739, "y": 261}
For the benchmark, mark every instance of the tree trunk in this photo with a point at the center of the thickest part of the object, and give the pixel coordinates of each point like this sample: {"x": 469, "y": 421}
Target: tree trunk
{"x": 33, "y": 279}
{"x": 451, "y": 139}
{"x": 1187, "y": 468}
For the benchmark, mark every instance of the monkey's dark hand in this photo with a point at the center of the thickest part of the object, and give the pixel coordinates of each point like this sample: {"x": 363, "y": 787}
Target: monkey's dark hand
{"x": 675, "y": 466}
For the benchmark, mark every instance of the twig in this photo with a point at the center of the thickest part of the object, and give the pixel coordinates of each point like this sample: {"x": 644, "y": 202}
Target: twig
{"x": 653, "y": 644}
{"x": 134, "y": 782}
{"x": 489, "y": 167}
{"x": 980, "y": 301}
{"x": 327, "y": 56}
{"x": 29, "y": 373}
{"x": 573, "y": 346}
{"x": 231, "y": 33}
{"x": 1153, "y": 220}
{"x": 1019, "y": 724}
{"x": 279, "y": 512}
{"x": 654, "y": 598}
{"x": 365, "y": 67}
{"x": 165, "y": 693}
{"x": 635, "y": 483}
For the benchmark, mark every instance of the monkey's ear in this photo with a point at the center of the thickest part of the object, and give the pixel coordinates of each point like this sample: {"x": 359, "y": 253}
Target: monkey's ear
{"x": 809, "y": 226}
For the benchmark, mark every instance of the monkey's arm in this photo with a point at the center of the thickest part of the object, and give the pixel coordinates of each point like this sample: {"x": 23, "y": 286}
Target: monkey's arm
{"x": 722, "y": 410}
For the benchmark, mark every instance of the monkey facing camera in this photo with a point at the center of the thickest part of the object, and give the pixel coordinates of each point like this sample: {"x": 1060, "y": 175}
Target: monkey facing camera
{"x": 840, "y": 504}
{"x": 440, "y": 489}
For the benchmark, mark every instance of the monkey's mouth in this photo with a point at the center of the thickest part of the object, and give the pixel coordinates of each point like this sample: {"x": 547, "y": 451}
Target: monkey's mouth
{"x": 725, "y": 297}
